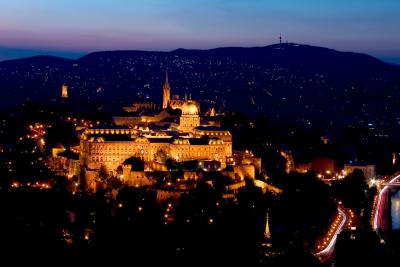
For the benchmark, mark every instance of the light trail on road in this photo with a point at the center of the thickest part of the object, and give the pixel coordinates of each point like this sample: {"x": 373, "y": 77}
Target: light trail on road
{"x": 378, "y": 210}
{"x": 331, "y": 244}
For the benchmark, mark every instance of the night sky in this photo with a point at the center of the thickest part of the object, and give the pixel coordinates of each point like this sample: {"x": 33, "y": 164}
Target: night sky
{"x": 71, "y": 28}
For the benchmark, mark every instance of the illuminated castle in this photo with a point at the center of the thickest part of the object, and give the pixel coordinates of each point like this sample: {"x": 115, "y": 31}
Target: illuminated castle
{"x": 176, "y": 132}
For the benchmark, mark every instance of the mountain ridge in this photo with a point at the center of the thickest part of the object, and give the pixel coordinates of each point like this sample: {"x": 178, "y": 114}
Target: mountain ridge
{"x": 281, "y": 80}
{"x": 186, "y": 50}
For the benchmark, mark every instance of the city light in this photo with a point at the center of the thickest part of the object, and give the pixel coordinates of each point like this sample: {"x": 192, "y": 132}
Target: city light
{"x": 283, "y": 155}
{"x": 372, "y": 182}
{"x": 329, "y": 243}
{"x": 378, "y": 206}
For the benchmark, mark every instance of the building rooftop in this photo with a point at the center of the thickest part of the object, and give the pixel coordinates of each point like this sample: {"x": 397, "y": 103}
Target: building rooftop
{"x": 110, "y": 137}
{"x": 69, "y": 155}
{"x": 199, "y": 141}
{"x": 160, "y": 126}
{"x": 127, "y": 114}
{"x": 168, "y": 139}
{"x": 209, "y": 128}
{"x": 149, "y": 113}
{"x": 112, "y": 127}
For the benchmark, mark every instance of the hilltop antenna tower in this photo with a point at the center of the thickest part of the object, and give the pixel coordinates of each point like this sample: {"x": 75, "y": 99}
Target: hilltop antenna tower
{"x": 280, "y": 38}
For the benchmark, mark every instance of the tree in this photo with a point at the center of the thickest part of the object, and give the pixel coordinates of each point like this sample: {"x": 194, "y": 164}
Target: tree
{"x": 103, "y": 174}
{"x": 136, "y": 163}
{"x": 352, "y": 190}
{"x": 171, "y": 164}
{"x": 119, "y": 169}
{"x": 115, "y": 183}
{"x": 61, "y": 183}
{"x": 159, "y": 177}
{"x": 303, "y": 210}
{"x": 60, "y": 132}
{"x": 199, "y": 204}
{"x": 191, "y": 165}
{"x": 219, "y": 180}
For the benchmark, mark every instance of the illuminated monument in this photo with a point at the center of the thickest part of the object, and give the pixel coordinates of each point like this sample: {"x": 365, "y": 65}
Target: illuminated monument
{"x": 64, "y": 91}
{"x": 166, "y": 92}
{"x": 175, "y": 132}
{"x": 190, "y": 117}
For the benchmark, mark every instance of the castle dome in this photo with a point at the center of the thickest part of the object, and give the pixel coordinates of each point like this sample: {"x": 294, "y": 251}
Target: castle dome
{"x": 190, "y": 108}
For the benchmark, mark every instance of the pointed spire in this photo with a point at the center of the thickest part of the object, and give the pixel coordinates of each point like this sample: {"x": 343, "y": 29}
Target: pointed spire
{"x": 64, "y": 91}
{"x": 185, "y": 96}
{"x": 267, "y": 233}
{"x": 166, "y": 92}
{"x": 212, "y": 112}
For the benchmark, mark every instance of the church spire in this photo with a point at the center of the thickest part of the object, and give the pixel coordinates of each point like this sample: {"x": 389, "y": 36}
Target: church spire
{"x": 166, "y": 92}
{"x": 267, "y": 233}
{"x": 64, "y": 91}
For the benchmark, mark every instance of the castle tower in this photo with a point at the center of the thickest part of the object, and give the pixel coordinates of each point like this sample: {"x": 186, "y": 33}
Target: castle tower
{"x": 190, "y": 117}
{"x": 64, "y": 91}
{"x": 166, "y": 92}
{"x": 212, "y": 112}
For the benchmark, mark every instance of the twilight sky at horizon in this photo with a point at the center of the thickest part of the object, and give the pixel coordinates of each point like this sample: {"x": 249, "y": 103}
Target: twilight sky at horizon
{"x": 71, "y": 27}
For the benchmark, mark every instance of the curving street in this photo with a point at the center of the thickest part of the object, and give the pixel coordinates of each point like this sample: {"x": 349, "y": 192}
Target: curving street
{"x": 380, "y": 218}
{"x": 329, "y": 241}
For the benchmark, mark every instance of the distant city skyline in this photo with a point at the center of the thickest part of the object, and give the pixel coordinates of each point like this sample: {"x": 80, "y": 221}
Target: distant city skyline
{"x": 73, "y": 28}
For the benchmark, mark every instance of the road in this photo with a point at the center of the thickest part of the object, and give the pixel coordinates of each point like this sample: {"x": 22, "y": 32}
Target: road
{"x": 380, "y": 216}
{"x": 327, "y": 252}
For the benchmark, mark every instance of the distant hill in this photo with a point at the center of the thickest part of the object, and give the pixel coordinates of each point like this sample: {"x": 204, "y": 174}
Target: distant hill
{"x": 293, "y": 56}
{"x": 298, "y": 82}
{"x": 8, "y": 53}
